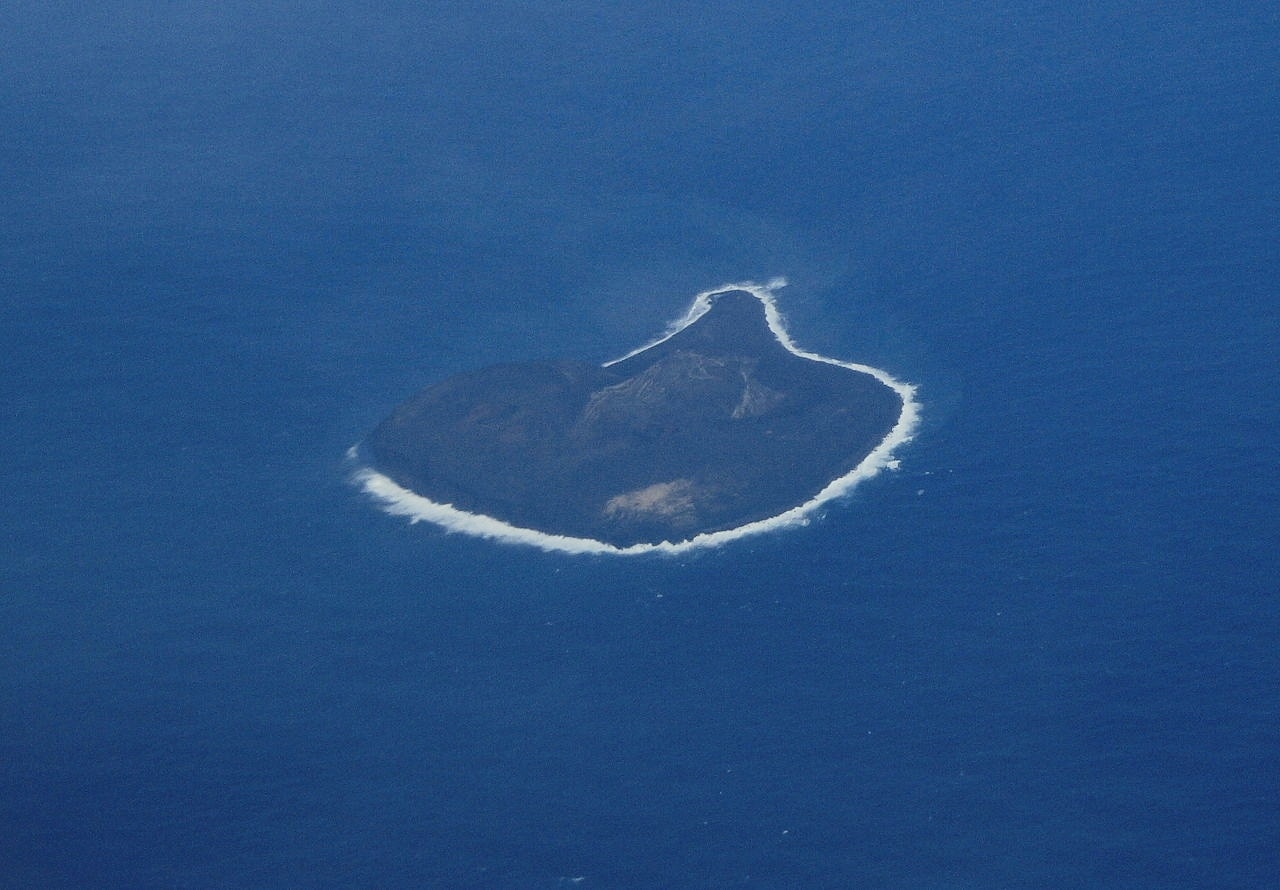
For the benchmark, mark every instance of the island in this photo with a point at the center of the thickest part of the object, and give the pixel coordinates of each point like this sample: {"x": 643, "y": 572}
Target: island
{"x": 722, "y": 425}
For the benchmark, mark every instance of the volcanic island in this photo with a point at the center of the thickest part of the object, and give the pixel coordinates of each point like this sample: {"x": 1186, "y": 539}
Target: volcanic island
{"x": 721, "y": 428}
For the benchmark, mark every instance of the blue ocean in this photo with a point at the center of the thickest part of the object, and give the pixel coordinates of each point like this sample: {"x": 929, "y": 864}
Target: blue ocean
{"x": 1043, "y": 652}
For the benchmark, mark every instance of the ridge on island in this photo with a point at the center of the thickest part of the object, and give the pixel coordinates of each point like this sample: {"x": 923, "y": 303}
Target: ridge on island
{"x": 720, "y": 429}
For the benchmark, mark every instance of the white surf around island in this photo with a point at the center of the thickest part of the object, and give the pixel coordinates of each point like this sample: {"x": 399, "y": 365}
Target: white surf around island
{"x": 399, "y": 501}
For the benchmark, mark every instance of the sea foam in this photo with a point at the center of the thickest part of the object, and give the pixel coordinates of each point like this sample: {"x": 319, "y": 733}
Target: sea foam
{"x": 399, "y": 501}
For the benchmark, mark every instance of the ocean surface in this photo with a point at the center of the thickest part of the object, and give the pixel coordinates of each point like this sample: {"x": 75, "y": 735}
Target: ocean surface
{"x": 1044, "y": 652}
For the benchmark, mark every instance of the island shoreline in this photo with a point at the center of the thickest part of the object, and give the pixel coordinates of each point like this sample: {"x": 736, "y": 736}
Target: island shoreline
{"x": 399, "y": 501}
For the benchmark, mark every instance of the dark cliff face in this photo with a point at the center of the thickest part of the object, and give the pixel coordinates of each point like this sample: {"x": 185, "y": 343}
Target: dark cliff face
{"x": 715, "y": 427}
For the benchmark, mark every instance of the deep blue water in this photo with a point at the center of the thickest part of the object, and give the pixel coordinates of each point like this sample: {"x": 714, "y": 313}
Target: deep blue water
{"x": 1044, "y": 653}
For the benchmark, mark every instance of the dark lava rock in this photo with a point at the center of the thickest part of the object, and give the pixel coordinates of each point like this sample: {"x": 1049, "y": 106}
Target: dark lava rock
{"x": 718, "y": 426}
